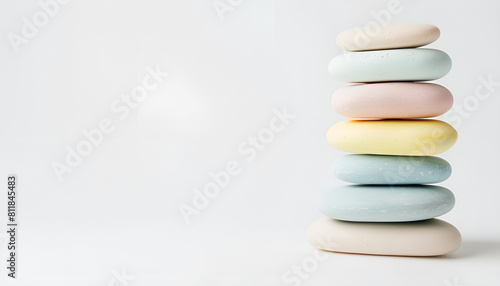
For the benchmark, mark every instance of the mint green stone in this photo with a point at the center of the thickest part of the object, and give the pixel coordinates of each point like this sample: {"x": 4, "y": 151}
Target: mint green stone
{"x": 390, "y": 65}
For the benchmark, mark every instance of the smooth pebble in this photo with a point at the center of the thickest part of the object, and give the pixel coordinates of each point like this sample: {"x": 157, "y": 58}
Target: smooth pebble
{"x": 387, "y": 37}
{"x": 390, "y": 65}
{"x": 393, "y": 137}
{"x": 365, "y": 203}
{"x": 392, "y": 100}
{"x": 391, "y": 170}
{"x": 423, "y": 238}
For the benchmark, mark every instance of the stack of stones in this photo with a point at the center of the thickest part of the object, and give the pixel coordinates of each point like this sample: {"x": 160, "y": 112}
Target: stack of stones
{"x": 391, "y": 208}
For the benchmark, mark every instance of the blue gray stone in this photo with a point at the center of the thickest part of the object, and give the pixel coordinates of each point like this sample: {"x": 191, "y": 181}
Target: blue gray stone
{"x": 391, "y": 170}
{"x": 371, "y": 203}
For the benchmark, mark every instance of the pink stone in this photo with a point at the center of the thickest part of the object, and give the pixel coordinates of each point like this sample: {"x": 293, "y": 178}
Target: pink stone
{"x": 392, "y": 100}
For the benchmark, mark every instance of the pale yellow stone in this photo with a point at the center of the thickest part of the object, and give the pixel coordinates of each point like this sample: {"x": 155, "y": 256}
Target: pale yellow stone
{"x": 393, "y": 137}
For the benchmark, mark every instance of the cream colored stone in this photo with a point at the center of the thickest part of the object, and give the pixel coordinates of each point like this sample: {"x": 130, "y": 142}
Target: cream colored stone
{"x": 422, "y": 238}
{"x": 387, "y": 37}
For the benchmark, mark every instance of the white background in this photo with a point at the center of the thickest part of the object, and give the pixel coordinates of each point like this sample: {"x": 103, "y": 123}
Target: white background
{"x": 119, "y": 209}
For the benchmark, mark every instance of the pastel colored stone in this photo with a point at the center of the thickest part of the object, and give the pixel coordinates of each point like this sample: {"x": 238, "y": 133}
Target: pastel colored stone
{"x": 393, "y": 137}
{"x": 391, "y": 170}
{"x": 387, "y": 37}
{"x": 422, "y": 238}
{"x": 392, "y": 100}
{"x": 390, "y": 65}
{"x": 376, "y": 203}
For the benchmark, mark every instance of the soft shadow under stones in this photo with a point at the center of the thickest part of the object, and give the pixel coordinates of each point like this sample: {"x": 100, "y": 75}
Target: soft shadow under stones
{"x": 468, "y": 249}
{"x": 477, "y": 248}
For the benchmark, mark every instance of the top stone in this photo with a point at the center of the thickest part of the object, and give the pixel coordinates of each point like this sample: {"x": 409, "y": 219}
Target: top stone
{"x": 378, "y": 37}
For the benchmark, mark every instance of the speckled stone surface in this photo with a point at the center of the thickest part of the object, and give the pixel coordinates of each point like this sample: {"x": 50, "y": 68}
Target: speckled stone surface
{"x": 385, "y": 203}
{"x": 390, "y": 65}
{"x": 391, "y": 170}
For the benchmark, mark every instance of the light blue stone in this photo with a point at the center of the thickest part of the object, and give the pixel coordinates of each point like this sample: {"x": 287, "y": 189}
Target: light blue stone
{"x": 390, "y": 65}
{"x": 385, "y": 203}
{"x": 391, "y": 170}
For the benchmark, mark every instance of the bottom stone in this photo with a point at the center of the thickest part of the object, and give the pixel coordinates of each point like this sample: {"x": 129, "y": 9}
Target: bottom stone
{"x": 431, "y": 237}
